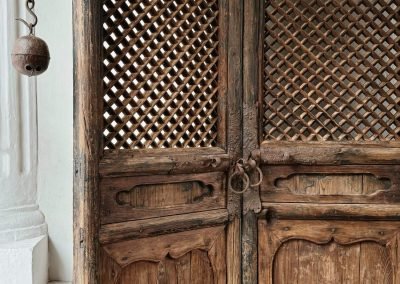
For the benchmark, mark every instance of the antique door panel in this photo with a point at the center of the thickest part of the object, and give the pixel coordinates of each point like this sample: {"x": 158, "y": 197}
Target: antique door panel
{"x": 154, "y": 122}
{"x": 196, "y": 256}
{"x": 296, "y": 251}
{"x": 324, "y": 78}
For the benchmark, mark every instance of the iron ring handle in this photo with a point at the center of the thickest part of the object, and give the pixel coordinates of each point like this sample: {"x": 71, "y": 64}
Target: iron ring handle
{"x": 245, "y": 179}
{"x": 260, "y": 174}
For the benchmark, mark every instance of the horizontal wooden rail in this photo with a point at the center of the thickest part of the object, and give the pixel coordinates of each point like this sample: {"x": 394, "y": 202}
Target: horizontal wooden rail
{"x": 328, "y": 153}
{"x": 331, "y": 211}
{"x": 164, "y": 225}
{"x": 163, "y": 161}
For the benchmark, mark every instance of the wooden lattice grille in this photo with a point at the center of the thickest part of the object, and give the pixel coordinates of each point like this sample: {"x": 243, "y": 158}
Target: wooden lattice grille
{"x": 331, "y": 70}
{"x": 161, "y": 73}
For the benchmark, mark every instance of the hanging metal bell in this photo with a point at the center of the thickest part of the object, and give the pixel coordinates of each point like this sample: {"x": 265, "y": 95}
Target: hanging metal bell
{"x": 30, "y": 55}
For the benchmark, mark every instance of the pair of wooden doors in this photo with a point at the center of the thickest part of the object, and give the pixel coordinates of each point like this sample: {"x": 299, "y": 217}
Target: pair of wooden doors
{"x": 180, "y": 105}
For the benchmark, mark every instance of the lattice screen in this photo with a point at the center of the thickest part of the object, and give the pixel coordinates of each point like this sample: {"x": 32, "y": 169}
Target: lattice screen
{"x": 331, "y": 70}
{"x": 161, "y": 73}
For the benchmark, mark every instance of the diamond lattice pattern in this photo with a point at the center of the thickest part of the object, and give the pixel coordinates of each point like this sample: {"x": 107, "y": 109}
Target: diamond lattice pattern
{"x": 161, "y": 73}
{"x": 331, "y": 70}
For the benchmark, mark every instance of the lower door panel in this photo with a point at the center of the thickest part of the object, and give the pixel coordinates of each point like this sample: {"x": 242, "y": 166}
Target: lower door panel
{"x": 313, "y": 251}
{"x": 196, "y": 256}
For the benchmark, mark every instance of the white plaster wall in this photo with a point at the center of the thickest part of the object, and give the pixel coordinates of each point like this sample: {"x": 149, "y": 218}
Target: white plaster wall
{"x": 55, "y": 172}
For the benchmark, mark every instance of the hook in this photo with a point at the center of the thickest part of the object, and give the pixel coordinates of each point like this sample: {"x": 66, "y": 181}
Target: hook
{"x": 30, "y": 4}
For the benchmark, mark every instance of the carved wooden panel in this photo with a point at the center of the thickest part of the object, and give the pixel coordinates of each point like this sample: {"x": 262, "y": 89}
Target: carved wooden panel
{"x": 161, "y": 82}
{"x": 299, "y": 261}
{"x": 132, "y": 198}
{"x": 189, "y": 257}
{"x": 296, "y": 251}
{"x": 331, "y": 70}
{"x": 165, "y": 195}
{"x": 331, "y": 184}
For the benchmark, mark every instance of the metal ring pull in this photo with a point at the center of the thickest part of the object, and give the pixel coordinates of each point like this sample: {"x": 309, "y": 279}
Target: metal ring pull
{"x": 239, "y": 172}
{"x": 261, "y": 176}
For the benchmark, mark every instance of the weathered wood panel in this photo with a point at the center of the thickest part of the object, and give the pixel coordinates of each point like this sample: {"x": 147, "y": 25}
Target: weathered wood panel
{"x": 133, "y": 198}
{"x": 328, "y": 153}
{"x": 197, "y": 256}
{"x": 193, "y": 267}
{"x": 299, "y": 261}
{"x": 252, "y": 58}
{"x": 298, "y": 251}
{"x": 110, "y": 233}
{"x": 331, "y": 184}
{"x": 330, "y": 211}
{"x": 163, "y": 161}
{"x": 87, "y": 136}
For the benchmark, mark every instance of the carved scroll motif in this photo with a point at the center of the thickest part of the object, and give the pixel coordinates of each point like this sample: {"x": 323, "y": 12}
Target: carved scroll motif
{"x": 168, "y": 194}
{"x": 198, "y": 254}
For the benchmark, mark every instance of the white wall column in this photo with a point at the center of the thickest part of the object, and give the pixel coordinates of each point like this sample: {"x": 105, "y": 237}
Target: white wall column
{"x": 23, "y": 231}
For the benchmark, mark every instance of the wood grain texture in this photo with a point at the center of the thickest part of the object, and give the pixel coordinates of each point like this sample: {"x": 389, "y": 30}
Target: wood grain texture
{"x": 87, "y": 137}
{"x": 326, "y": 251}
{"x": 197, "y": 256}
{"x": 157, "y": 226}
{"x": 193, "y": 267}
{"x": 235, "y": 94}
{"x": 328, "y": 153}
{"x": 133, "y": 198}
{"x": 252, "y": 58}
{"x": 331, "y": 184}
{"x": 300, "y": 261}
{"x": 310, "y": 211}
{"x": 234, "y": 251}
{"x": 375, "y": 264}
{"x": 163, "y": 161}
{"x": 286, "y": 265}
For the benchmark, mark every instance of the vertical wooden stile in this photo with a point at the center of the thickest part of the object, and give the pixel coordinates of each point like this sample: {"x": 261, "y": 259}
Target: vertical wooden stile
{"x": 252, "y": 41}
{"x": 87, "y": 137}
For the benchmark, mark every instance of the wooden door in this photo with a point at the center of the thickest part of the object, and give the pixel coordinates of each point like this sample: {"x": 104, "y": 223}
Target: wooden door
{"x": 157, "y": 127}
{"x": 322, "y": 116}
{"x": 176, "y": 101}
